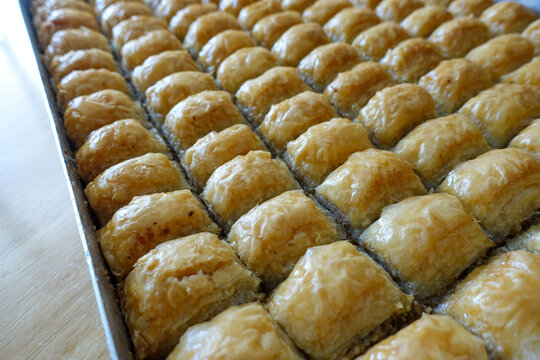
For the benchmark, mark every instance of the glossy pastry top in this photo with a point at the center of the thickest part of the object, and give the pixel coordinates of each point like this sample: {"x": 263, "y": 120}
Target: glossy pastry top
{"x": 396, "y": 110}
{"x": 166, "y": 9}
{"x": 499, "y": 302}
{"x": 234, "y": 6}
{"x": 243, "y": 65}
{"x": 532, "y": 32}
{"x": 371, "y": 4}
{"x": 119, "y": 11}
{"x": 373, "y": 43}
{"x": 114, "y": 143}
{"x": 134, "y": 52}
{"x": 367, "y": 182}
{"x": 422, "y": 22}
{"x": 431, "y": 337}
{"x": 272, "y": 236}
{"x": 90, "y": 112}
{"x": 324, "y": 147}
{"x": 323, "y": 10}
{"x": 43, "y": 10}
{"x": 240, "y": 184}
{"x": 296, "y": 5}
{"x": 221, "y": 46}
{"x": 507, "y": 17}
{"x": 181, "y": 283}
{"x": 169, "y": 91}
{"x": 528, "y": 74}
{"x": 199, "y": 114}
{"x": 297, "y": 42}
{"x": 100, "y": 5}
{"x": 63, "y": 19}
{"x": 528, "y": 240}
{"x": 426, "y": 242}
{"x": 64, "y": 41}
{"x": 182, "y": 20}
{"x": 334, "y": 296}
{"x": 270, "y": 28}
{"x": 528, "y": 138}
{"x": 290, "y": 118}
{"x": 116, "y": 186}
{"x": 62, "y": 65}
{"x": 237, "y": 333}
{"x": 468, "y": 8}
{"x": 251, "y": 14}
{"x": 206, "y": 27}
{"x": 455, "y": 38}
{"x": 217, "y": 148}
{"x": 349, "y": 22}
{"x": 135, "y": 27}
{"x": 437, "y": 146}
{"x": 397, "y": 10}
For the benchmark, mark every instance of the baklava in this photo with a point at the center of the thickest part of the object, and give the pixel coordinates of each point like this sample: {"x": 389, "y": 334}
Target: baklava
{"x": 507, "y": 17}
{"x": 270, "y": 28}
{"x": 297, "y": 42}
{"x": 63, "y": 19}
{"x": 455, "y": 38}
{"x": 323, "y": 10}
{"x": 397, "y": 10}
{"x": 120, "y": 11}
{"x": 296, "y": 5}
{"x": 468, "y": 8}
{"x": 134, "y": 52}
{"x": 166, "y": 9}
{"x": 62, "y": 65}
{"x": 135, "y": 27}
{"x": 532, "y": 32}
{"x": 206, "y": 27}
{"x": 373, "y": 43}
{"x": 221, "y": 46}
{"x": 182, "y": 20}
{"x": 528, "y": 138}
{"x": 528, "y": 240}
{"x": 349, "y": 22}
{"x": 252, "y": 13}
{"x": 422, "y": 22}
{"x": 528, "y": 74}
{"x": 234, "y": 6}
{"x": 64, "y": 41}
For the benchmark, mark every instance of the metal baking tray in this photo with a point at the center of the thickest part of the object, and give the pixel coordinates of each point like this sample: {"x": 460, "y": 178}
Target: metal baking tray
{"x": 116, "y": 333}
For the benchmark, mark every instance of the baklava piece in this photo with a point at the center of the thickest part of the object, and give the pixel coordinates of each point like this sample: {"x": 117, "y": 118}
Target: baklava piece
{"x": 198, "y": 115}
{"x": 528, "y": 138}
{"x": 63, "y": 19}
{"x": 101, "y": 5}
{"x": 468, "y": 8}
{"x": 430, "y": 337}
{"x": 396, "y": 110}
{"x": 64, "y": 41}
{"x": 528, "y": 240}
{"x": 373, "y": 43}
{"x": 397, "y": 10}
{"x": 501, "y": 188}
{"x": 350, "y": 22}
{"x": 242, "y": 332}
{"x": 169, "y": 91}
{"x": 323, "y": 10}
{"x": 256, "y": 96}
{"x": 499, "y": 302}
{"x": 272, "y": 236}
{"x": 42, "y": 11}
{"x": 334, "y": 297}
{"x": 135, "y": 27}
{"x": 516, "y": 105}
{"x": 502, "y": 54}
{"x": 528, "y": 74}
{"x": 437, "y": 146}
{"x": 324, "y": 147}
{"x": 352, "y": 89}
{"x": 114, "y": 143}
{"x": 507, "y": 17}
{"x": 87, "y": 113}
{"x": 270, "y": 28}
{"x": 290, "y": 118}
{"x": 251, "y": 14}
{"x": 62, "y": 65}
{"x": 370, "y": 4}
{"x": 221, "y": 46}
{"x": 217, "y": 148}
{"x": 422, "y": 22}
{"x": 116, "y": 186}
{"x": 234, "y": 6}
{"x": 367, "y": 182}
{"x": 532, "y": 32}
{"x": 411, "y": 59}
{"x": 296, "y": 5}
{"x": 297, "y": 42}
{"x": 206, "y": 27}
{"x": 166, "y": 9}
{"x": 453, "y": 82}
{"x": 120, "y": 11}
{"x": 148, "y": 221}
{"x": 455, "y": 38}
{"x": 156, "y": 67}
{"x": 181, "y": 283}
{"x": 426, "y": 242}
{"x": 245, "y": 64}
{"x": 182, "y": 20}
{"x": 240, "y": 184}
{"x": 134, "y": 52}
{"x": 324, "y": 63}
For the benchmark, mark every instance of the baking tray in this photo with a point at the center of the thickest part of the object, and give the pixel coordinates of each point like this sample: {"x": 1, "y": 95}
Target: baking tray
{"x": 116, "y": 333}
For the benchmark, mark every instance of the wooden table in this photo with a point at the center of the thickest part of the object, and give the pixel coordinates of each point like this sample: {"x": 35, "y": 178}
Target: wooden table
{"x": 47, "y": 305}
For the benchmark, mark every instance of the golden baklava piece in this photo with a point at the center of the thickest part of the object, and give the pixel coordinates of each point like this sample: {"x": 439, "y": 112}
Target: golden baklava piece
{"x": 297, "y": 42}
{"x": 116, "y": 186}
{"x": 63, "y": 19}
{"x": 528, "y": 240}
{"x": 148, "y": 221}
{"x": 437, "y": 146}
{"x": 430, "y": 337}
{"x": 169, "y": 91}
{"x": 243, "y": 332}
{"x": 296, "y": 5}
{"x": 114, "y": 143}
{"x": 323, "y": 10}
{"x": 252, "y": 13}
{"x": 468, "y": 8}
{"x": 245, "y": 64}
{"x": 373, "y": 43}
{"x": 501, "y": 188}
{"x": 42, "y": 10}
{"x": 426, "y": 242}
{"x": 272, "y": 237}
{"x": 120, "y": 11}
{"x": 352, "y": 89}
{"x": 397, "y": 10}
{"x": 502, "y": 54}
{"x": 206, "y": 27}
{"x": 256, "y": 96}
{"x": 499, "y": 302}
{"x": 367, "y": 182}
{"x": 422, "y": 22}
{"x": 221, "y": 46}
{"x": 166, "y": 9}
{"x": 528, "y": 138}
{"x": 62, "y": 65}
{"x": 516, "y": 106}
{"x": 370, "y": 4}
{"x": 507, "y": 17}
{"x": 240, "y": 184}
{"x": 181, "y": 21}
{"x": 234, "y": 6}
{"x": 270, "y": 28}
{"x": 453, "y": 82}
{"x": 394, "y": 111}
{"x": 134, "y": 52}
{"x": 324, "y": 147}
{"x": 64, "y": 41}
{"x": 528, "y": 74}
{"x": 334, "y": 297}
{"x": 156, "y": 67}
{"x": 101, "y": 5}
{"x": 181, "y": 283}
{"x": 87, "y": 113}
{"x": 349, "y": 22}
{"x": 532, "y": 32}
{"x": 324, "y": 63}
{"x": 290, "y": 118}
{"x": 455, "y": 38}
{"x": 217, "y": 148}
{"x": 135, "y": 27}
